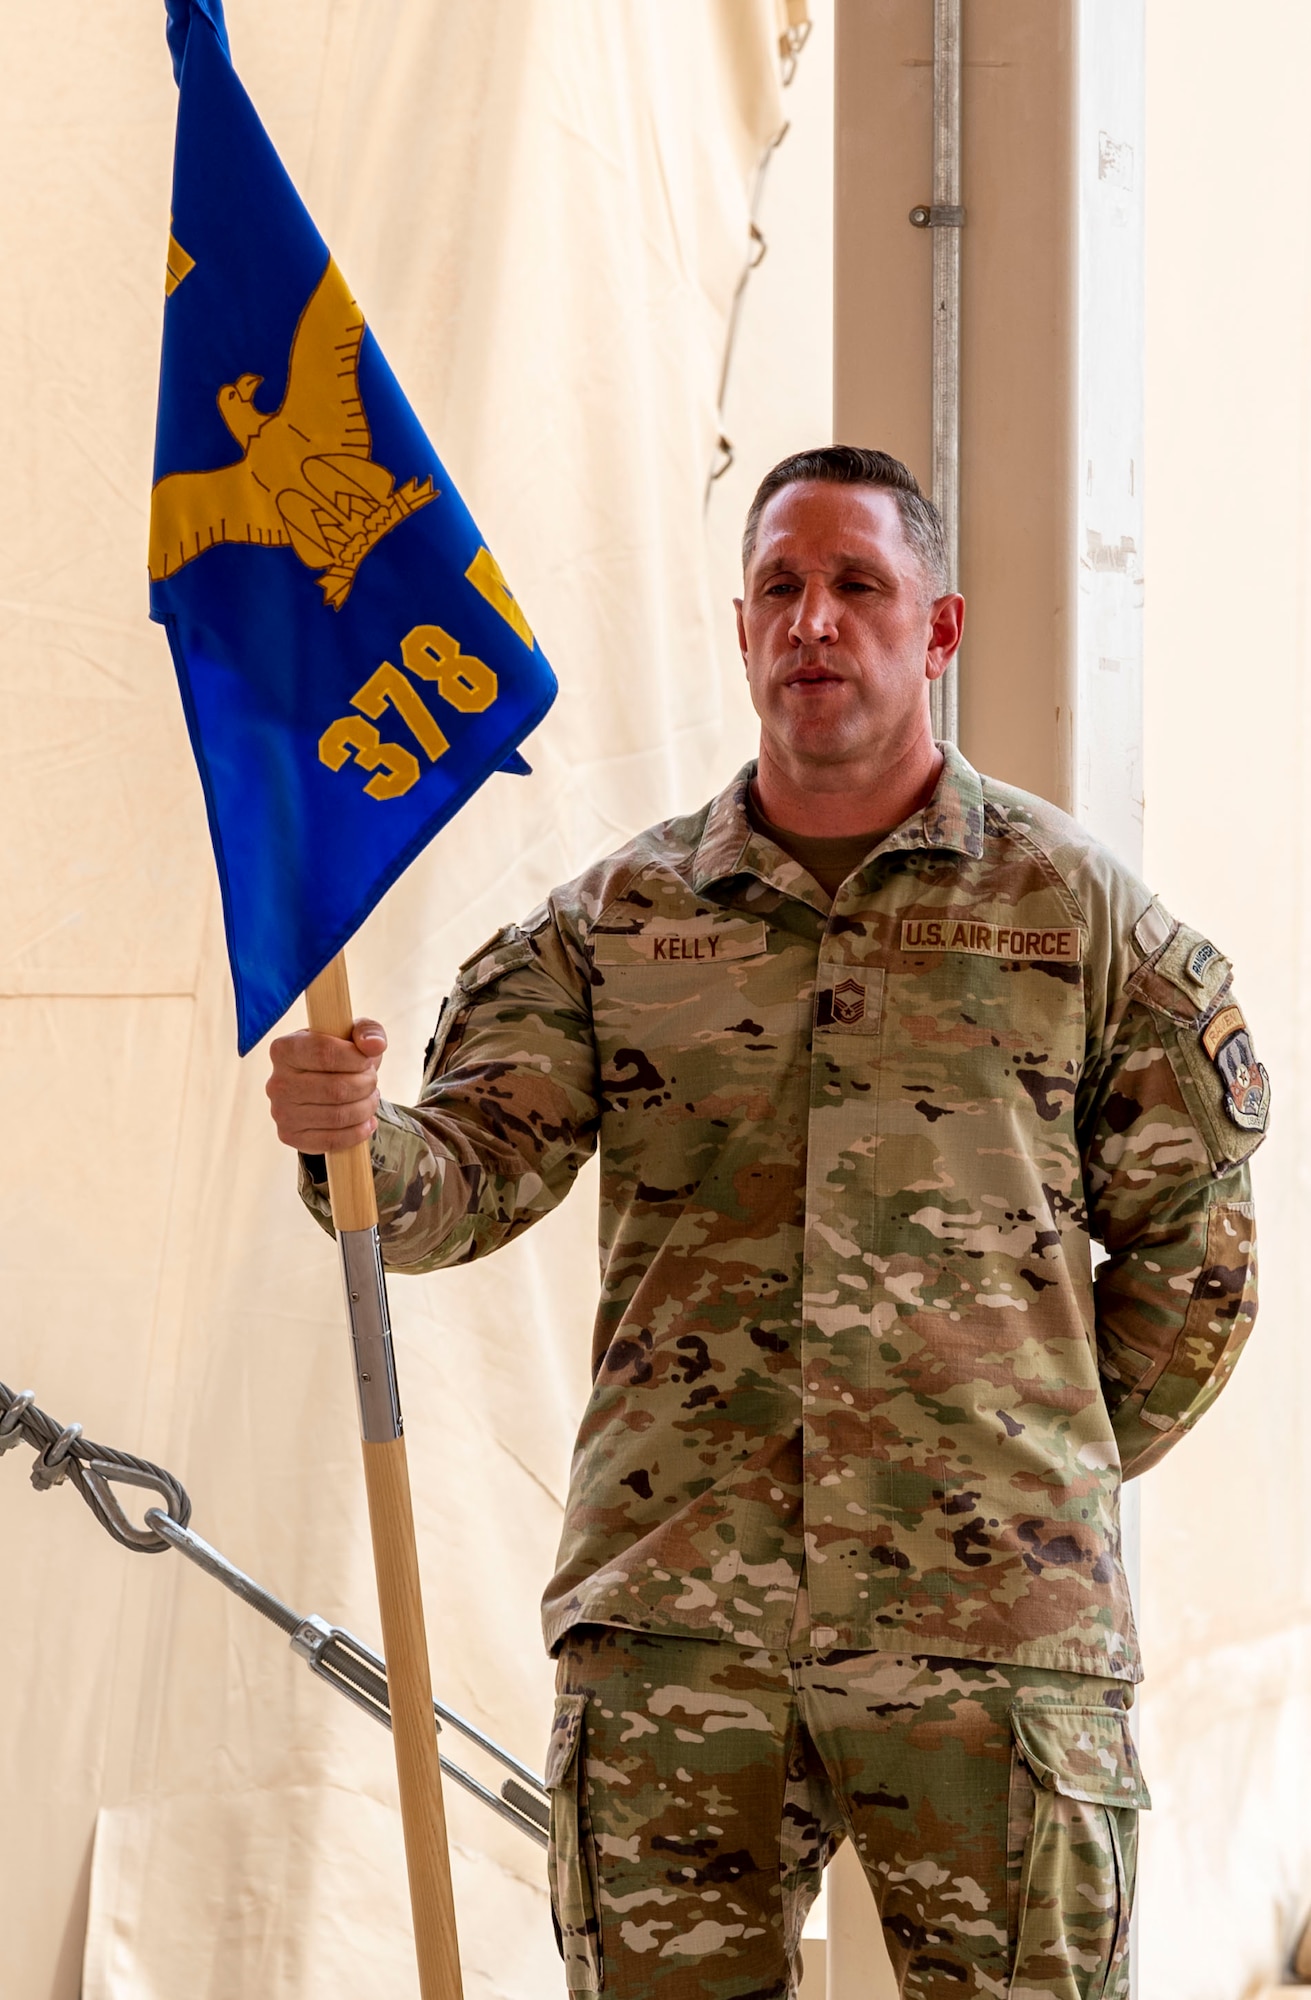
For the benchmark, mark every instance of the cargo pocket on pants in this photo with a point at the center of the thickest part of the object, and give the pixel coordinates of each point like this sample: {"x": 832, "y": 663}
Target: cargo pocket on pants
{"x": 571, "y": 1867}
{"x": 1076, "y": 1792}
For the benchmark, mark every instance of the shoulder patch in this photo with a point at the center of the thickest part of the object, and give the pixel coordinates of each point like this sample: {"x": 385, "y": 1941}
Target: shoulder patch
{"x": 1228, "y": 1043}
{"x": 1188, "y": 986}
{"x": 1152, "y": 929}
{"x": 1188, "y": 978}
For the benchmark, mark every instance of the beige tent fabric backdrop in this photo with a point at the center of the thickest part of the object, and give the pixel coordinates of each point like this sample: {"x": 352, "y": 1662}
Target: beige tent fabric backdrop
{"x": 542, "y": 205}
{"x": 1226, "y": 1599}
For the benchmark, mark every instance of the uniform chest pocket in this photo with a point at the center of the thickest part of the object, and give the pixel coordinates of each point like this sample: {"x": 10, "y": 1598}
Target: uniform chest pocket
{"x": 691, "y": 1048}
{"x": 978, "y": 1030}
{"x": 696, "y": 989}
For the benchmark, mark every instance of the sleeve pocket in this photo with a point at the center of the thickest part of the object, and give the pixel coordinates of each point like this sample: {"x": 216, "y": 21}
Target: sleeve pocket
{"x": 1202, "y": 1082}
{"x": 571, "y": 1865}
{"x": 1076, "y": 1791}
{"x": 1188, "y": 986}
{"x": 505, "y": 952}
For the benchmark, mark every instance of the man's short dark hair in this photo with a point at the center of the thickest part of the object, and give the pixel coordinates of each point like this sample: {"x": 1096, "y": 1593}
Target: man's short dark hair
{"x": 853, "y": 465}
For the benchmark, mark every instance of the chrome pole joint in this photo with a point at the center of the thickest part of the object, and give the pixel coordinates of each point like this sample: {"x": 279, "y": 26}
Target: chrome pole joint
{"x": 371, "y": 1342}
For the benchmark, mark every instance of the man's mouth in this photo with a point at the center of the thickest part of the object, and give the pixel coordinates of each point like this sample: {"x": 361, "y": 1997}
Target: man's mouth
{"x": 811, "y": 676}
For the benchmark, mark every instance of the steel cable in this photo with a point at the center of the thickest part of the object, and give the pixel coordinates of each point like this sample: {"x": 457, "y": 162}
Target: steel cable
{"x": 63, "y": 1453}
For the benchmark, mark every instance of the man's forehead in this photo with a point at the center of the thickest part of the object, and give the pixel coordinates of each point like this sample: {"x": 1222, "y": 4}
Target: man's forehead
{"x": 824, "y": 524}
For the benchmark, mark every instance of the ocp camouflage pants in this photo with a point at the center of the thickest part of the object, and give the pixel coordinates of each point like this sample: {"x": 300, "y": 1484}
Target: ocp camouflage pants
{"x": 697, "y": 1791}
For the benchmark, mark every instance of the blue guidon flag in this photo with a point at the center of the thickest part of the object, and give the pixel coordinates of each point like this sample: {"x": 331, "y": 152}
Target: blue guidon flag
{"x": 352, "y": 662}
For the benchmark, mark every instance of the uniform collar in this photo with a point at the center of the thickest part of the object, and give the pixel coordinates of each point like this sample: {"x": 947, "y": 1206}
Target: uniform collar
{"x": 953, "y": 818}
{"x": 952, "y": 821}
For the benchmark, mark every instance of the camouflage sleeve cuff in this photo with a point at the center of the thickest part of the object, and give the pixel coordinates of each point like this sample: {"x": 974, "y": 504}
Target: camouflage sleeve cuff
{"x": 1219, "y": 1282}
{"x": 312, "y": 1186}
{"x": 401, "y": 1157}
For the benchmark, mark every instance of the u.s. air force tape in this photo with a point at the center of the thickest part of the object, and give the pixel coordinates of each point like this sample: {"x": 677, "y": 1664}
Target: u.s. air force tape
{"x": 1053, "y": 944}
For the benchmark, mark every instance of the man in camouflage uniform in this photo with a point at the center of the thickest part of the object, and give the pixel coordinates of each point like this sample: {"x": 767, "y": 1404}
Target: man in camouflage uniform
{"x": 873, "y": 1049}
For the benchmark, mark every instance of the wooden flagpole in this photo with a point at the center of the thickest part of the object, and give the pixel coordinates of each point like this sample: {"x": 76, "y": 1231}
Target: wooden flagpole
{"x": 391, "y": 1520}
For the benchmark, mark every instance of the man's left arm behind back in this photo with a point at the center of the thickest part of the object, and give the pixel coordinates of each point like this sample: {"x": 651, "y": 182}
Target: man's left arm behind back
{"x": 1169, "y": 1197}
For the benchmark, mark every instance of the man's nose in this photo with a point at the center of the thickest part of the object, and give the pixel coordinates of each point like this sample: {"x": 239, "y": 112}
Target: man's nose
{"x": 816, "y": 621}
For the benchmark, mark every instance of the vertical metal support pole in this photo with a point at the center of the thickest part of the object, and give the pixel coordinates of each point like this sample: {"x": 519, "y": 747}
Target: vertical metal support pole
{"x": 946, "y": 318}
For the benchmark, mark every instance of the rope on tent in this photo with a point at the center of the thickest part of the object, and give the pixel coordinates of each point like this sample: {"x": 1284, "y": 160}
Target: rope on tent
{"x": 337, "y": 1656}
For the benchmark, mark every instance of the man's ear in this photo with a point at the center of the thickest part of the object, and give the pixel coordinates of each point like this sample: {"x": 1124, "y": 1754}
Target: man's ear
{"x": 741, "y": 630}
{"x": 946, "y": 623}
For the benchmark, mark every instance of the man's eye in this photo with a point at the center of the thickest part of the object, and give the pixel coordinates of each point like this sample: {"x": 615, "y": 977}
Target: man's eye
{"x": 780, "y": 588}
{"x": 853, "y": 583}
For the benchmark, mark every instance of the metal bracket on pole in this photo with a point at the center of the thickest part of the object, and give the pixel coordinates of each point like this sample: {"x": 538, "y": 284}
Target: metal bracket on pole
{"x": 371, "y": 1343}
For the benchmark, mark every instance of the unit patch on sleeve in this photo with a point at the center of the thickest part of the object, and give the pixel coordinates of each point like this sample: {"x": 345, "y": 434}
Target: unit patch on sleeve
{"x": 1228, "y": 1043}
{"x": 1047, "y": 943}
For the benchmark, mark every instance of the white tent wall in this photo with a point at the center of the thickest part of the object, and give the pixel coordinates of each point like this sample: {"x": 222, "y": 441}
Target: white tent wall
{"x": 1226, "y": 1593}
{"x": 543, "y": 207}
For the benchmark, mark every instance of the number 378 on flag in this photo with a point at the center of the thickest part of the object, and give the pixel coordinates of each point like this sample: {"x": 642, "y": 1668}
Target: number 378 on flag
{"x": 466, "y": 684}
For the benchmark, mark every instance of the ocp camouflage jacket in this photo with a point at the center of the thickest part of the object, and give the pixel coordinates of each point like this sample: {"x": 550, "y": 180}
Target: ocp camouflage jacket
{"x": 854, "y": 1160}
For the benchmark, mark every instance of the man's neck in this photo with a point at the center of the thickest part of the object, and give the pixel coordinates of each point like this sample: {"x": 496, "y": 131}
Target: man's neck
{"x": 829, "y": 802}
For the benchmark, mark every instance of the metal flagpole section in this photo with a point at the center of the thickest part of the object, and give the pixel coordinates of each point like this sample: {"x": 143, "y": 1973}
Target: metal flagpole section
{"x": 945, "y": 217}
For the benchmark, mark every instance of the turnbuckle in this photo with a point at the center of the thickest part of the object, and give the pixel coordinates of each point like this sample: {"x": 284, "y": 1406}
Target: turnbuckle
{"x": 351, "y": 1667}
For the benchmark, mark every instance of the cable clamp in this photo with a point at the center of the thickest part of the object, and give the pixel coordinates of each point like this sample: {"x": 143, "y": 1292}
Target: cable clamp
{"x": 11, "y": 1423}
{"x": 937, "y": 215}
{"x": 52, "y": 1464}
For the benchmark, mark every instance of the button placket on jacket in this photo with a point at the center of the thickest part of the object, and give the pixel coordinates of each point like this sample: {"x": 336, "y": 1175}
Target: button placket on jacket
{"x": 839, "y": 1454}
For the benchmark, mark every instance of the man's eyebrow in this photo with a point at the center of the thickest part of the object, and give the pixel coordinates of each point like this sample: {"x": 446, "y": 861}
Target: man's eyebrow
{"x": 844, "y": 559}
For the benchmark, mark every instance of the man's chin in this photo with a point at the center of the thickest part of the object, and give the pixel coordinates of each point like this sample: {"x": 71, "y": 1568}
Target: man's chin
{"x": 819, "y": 764}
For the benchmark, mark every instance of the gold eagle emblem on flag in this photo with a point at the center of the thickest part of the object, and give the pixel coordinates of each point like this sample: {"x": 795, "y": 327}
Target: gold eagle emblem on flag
{"x": 306, "y": 478}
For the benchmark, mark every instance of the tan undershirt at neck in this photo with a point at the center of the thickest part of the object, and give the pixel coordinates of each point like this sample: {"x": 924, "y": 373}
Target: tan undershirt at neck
{"x": 830, "y": 861}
